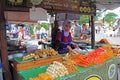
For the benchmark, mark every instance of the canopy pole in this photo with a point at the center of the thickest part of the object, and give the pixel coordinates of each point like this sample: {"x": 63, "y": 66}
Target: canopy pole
{"x": 54, "y": 31}
{"x": 3, "y": 42}
{"x": 92, "y": 33}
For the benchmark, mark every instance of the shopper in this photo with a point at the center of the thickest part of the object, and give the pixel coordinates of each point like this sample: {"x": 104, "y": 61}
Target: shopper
{"x": 85, "y": 33}
{"x": 15, "y": 31}
{"x": 35, "y": 31}
{"x": 42, "y": 33}
{"x": 76, "y": 29}
{"x": 22, "y": 31}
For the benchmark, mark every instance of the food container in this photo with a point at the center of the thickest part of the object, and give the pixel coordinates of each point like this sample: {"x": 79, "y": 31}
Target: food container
{"x": 18, "y": 55}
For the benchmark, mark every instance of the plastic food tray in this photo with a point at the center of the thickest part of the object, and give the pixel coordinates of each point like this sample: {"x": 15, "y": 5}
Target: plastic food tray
{"x": 28, "y": 64}
{"x": 34, "y": 72}
{"x": 19, "y": 59}
{"x": 31, "y": 73}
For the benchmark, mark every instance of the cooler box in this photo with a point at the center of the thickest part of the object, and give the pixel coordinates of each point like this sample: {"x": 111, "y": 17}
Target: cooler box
{"x": 1, "y": 76}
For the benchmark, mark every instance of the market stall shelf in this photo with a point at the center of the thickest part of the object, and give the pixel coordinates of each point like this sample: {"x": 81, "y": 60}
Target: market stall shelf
{"x": 19, "y": 65}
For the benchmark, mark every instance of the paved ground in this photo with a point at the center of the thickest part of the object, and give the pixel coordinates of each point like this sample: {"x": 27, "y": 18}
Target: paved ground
{"x": 112, "y": 40}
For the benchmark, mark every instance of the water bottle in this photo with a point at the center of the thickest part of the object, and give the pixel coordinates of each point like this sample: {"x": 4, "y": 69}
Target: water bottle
{"x": 1, "y": 77}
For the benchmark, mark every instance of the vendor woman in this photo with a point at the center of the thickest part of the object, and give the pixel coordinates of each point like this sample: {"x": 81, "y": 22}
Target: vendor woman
{"x": 63, "y": 38}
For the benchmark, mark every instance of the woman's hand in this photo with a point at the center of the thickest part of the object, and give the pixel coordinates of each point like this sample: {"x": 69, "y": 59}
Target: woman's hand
{"x": 76, "y": 46}
{"x": 79, "y": 38}
{"x": 70, "y": 49}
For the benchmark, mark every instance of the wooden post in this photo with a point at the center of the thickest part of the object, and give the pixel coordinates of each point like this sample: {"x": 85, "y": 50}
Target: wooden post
{"x": 92, "y": 33}
{"x": 3, "y": 42}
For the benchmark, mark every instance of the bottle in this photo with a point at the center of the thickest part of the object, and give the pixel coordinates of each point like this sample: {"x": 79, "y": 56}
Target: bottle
{"x": 1, "y": 77}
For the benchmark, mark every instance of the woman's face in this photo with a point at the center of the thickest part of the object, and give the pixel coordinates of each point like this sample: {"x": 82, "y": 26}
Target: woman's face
{"x": 67, "y": 27}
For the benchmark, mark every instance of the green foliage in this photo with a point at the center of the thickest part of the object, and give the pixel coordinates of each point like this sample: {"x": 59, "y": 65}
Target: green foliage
{"x": 84, "y": 19}
{"x": 98, "y": 15}
{"x": 45, "y": 25}
{"x": 31, "y": 29}
{"x": 38, "y": 27}
{"x": 110, "y": 17}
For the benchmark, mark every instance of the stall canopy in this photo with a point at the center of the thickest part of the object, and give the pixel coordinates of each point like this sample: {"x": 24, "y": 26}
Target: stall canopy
{"x": 61, "y": 5}
{"x": 56, "y": 6}
{"x": 107, "y": 4}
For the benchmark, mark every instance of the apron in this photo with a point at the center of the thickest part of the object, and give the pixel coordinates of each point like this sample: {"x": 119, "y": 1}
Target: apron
{"x": 64, "y": 50}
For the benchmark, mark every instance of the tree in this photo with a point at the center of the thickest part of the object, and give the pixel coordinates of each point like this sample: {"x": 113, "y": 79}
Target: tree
{"x": 98, "y": 15}
{"x": 110, "y": 17}
{"x": 84, "y": 19}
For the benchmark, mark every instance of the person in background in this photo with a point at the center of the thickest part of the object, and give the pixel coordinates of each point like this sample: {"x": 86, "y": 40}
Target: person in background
{"x": 99, "y": 29}
{"x": 38, "y": 27}
{"x": 64, "y": 38}
{"x": 22, "y": 31}
{"x": 85, "y": 33}
{"x": 96, "y": 29}
{"x": 34, "y": 31}
{"x": 15, "y": 31}
{"x": 42, "y": 33}
{"x": 37, "y": 31}
{"x": 76, "y": 29}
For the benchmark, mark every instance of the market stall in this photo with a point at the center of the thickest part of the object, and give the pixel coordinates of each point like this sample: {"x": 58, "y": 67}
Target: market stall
{"x": 103, "y": 66}
{"x": 29, "y": 69}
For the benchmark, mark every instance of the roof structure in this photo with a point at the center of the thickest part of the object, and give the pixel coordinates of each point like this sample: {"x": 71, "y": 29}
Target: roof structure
{"x": 107, "y": 4}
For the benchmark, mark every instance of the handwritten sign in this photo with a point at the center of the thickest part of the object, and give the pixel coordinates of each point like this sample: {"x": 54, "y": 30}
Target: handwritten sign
{"x": 59, "y": 5}
{"x": 68, "y": 6}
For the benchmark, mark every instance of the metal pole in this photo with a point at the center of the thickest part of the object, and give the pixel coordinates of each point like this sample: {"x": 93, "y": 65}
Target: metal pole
{"x": 92, "y": 33}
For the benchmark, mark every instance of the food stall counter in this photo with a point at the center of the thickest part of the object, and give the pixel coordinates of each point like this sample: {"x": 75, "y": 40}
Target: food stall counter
{"x": 105, "y": 71}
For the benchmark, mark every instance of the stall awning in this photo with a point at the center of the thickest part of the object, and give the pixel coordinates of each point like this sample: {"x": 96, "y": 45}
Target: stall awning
{"x": 107, "y": 4}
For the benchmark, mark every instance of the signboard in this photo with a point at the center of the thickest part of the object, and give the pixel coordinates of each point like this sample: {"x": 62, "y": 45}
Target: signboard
{"x": 73, "y": 16}
{"x": 69, "y": 5}
{"x": 15, "y": 2}
{"x": 65, "y": 6}
{"x": 87, "y": 6}
{"x": 38, "y": 14}
{"x": 59, "y": 5}
{"x": 64, "y": 16}
{"x": 61, "y": 16}
{"x": 12, "y": 16}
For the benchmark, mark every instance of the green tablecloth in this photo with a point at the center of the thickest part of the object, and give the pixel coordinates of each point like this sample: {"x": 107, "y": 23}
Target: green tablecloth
{"x": 105, "y": 71}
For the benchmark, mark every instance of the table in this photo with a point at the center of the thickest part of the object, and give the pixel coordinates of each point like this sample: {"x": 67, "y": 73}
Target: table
{"x": 45, "y": 44}
{"x": 84, "y": 44}
{"x": 105, "y": 71}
